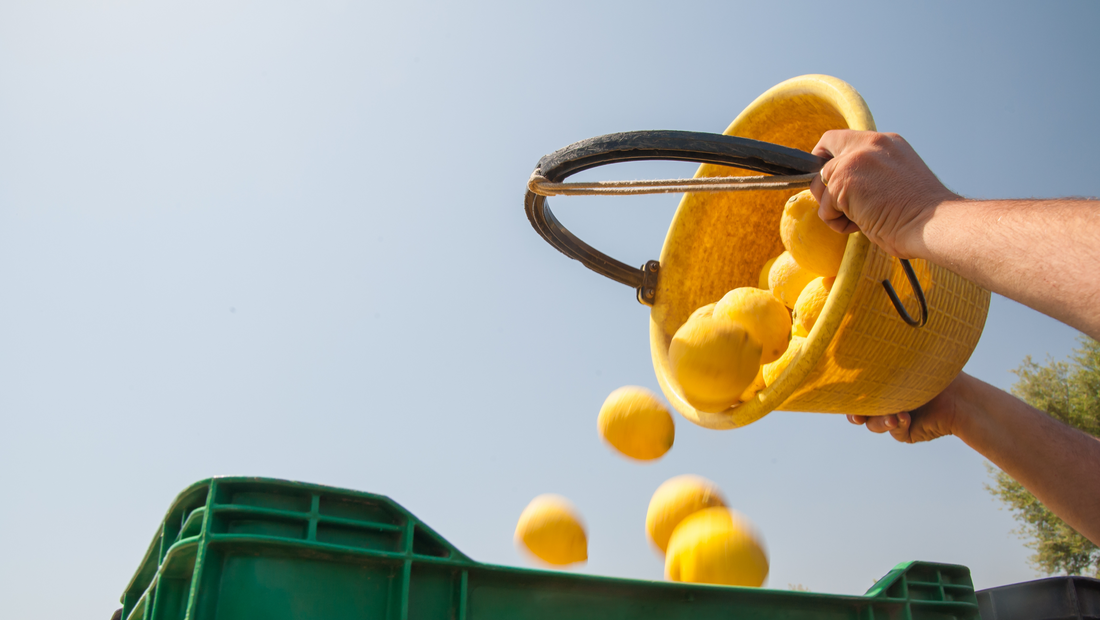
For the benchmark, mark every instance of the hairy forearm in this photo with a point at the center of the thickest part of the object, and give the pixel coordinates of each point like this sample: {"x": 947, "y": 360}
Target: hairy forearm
{"x": 1060, "y": 465}
{"x": 1042, "y": 253}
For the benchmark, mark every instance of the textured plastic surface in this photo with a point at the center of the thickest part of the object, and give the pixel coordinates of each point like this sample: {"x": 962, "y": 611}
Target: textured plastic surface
{"x": 1057, "y": 598}
{"x": 860, "y": 357}
{"x": 251, "y": 548}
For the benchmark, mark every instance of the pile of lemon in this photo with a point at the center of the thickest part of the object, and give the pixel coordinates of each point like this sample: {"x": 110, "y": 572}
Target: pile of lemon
{"x": 724, "y": 354}
{"x": 728, "y": 351}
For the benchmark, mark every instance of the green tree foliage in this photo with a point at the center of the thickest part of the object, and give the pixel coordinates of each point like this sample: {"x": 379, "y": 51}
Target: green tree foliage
{"x": 1069, "y": 392}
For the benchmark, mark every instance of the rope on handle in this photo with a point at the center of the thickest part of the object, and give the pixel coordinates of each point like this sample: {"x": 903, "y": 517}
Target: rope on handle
{"x": 542, "y": 186}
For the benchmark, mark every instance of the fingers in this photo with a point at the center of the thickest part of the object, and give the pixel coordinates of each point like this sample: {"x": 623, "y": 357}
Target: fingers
{"x": 878, "y": 423}
{"x": 832, "y": 142}
{"x": 831, "y": 209}
{"x": 882, "y": 423}
{"x": 818, "y": 189}
{"x": 898, "y": 425}
{"x": 901, "y": 432}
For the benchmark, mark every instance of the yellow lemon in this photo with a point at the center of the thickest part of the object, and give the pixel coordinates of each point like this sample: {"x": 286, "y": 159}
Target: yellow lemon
{"x": 809, "y": 239}
{"x": 551, "y": 529}
{"x": 713, "y": 359}
{"x": 810, "y": 302}
{"x": 762, "y": 314}
{"x": 787, "y": 279}
{"x": 756, "y": 385}
{"x": 776, "y": 368}
{"x": 674, "y": 500}
{"x": 719, "y": 546}
{"x": 636, "y": 423}
{"x": 797, "y": 330}
{"x": 764, "y": 274}
{"x": 706, "y": 310}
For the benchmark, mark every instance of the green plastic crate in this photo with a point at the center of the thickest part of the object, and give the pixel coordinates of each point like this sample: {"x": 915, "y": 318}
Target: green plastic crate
{"x": 242, "y": 548}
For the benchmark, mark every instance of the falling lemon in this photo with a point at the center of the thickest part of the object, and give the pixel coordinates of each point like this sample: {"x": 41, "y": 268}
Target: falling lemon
{"x": 673, "y": 501}
{"x": 810, "y": 302}
{"x": 713, "y": 359}
{"x": 787, "y": 278}
{"x": 810, "y": 241}
{"x": 776, "y": 368}
{"x": 636, "y": 423}
{"x": 719, "y": 546}
{"x": 762, "y": 314}
{"x": 551, "y": 529}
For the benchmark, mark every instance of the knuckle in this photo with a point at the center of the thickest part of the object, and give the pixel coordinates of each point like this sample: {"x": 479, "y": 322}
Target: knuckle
{"x": 859, "y": 159}
{"x": 885, "y": 140}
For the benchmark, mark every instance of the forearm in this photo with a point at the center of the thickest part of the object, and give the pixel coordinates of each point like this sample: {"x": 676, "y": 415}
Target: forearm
{"x": 1042, "y": 253}
{"x": 1060, "y": 465}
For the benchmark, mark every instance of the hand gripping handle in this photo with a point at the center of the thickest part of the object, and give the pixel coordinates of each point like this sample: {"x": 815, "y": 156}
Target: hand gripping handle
{"x": 703, "y": 148}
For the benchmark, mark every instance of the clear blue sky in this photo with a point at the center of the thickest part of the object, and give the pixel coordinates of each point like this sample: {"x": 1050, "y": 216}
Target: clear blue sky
{"x": 287, "y": 239}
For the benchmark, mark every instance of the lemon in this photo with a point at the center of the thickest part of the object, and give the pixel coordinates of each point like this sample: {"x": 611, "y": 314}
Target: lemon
{"x": 810, "y": 302}
{"x": 713, "y": 359}
{"x": 764, "y": 274}
{"x": 797, "y": 330}
{"x": 776, "y": 368}
{"x": 635, "y": 422}
{"x": 754, "y": 387}
{"x": 787, "y": 278}
{"x": 551, "y": 529}
{"x": 674, "y": 500}
{"x": 719, "y": 546}
{"x": 809, "y": 239}
{"x": 762, "y": 314}
{"x": 706, "y": 310}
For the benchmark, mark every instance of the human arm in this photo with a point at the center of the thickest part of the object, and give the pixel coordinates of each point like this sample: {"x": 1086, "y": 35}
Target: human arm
{"x": 1041, "y": 253}
{"x": 1058, "y": 464}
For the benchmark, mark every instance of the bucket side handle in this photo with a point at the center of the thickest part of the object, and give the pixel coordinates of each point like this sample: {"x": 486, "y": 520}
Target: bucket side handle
{"x": 917, "y": 290}
{"x": 703, "y": 148}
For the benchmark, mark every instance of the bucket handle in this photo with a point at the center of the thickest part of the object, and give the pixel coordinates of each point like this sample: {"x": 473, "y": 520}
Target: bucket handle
{"x": 703, "y": 148}
{"x": 900, "y": 307}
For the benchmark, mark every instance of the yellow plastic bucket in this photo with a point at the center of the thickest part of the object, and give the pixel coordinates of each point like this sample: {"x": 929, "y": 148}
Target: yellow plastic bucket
{"x": 861, "y": 357}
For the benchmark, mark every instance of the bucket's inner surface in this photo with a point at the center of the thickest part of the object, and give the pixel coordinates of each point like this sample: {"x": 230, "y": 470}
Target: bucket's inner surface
{"x": 720, "y": 241}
